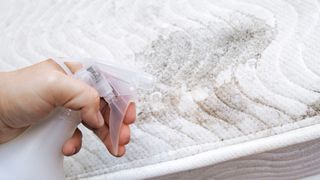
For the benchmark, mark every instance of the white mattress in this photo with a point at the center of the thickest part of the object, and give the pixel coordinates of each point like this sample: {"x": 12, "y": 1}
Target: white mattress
{"x": 238, "y": 80}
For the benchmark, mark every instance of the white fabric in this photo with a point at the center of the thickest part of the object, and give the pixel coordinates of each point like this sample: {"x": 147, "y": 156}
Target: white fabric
{"x": 225, "y": 163}
{"x": 235, "y": 77}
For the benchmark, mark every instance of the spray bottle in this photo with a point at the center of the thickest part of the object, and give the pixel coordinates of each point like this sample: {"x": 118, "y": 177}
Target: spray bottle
{"x": 36, "y": 153}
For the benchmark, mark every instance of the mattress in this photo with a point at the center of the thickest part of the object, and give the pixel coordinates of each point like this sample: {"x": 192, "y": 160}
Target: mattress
{"x": 237, "y": 90}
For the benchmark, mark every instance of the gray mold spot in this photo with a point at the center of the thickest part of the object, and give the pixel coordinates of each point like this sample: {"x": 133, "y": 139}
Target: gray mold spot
{"x": 315, "y": 106}
{"x": 193, "y": 58}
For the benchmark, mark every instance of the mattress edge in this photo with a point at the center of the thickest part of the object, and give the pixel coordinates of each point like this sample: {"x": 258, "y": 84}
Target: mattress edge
{"x": 217, "y": 155}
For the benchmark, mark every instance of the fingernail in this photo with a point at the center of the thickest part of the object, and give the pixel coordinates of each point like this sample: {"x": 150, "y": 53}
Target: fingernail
{"x": 100, "y": 119}
{"x": 116, "y": 154}
{"x": 74, "y": 151}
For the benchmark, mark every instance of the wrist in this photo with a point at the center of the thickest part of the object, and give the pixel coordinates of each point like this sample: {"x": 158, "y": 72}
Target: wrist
{"x": 3, "y": 86}
{"x": 3, "y": 127}
{"x": 4, "y": 90}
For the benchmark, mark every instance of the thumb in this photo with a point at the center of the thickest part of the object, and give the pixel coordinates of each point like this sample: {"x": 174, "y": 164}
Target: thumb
{"x": 77, "y": 95}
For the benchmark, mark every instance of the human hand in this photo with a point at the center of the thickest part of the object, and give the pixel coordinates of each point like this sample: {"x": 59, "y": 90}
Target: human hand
{"x": 28, "y": 95}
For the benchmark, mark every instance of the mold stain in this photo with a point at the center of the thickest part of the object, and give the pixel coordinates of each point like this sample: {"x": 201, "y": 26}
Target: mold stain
{"x": 192, "y": 58}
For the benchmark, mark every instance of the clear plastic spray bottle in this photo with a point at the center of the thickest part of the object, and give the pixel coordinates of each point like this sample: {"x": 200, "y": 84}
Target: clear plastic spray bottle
{"x": 37, "y": 153}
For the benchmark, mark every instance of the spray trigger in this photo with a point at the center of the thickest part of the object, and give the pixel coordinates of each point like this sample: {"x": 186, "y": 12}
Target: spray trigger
{"x": 116, "y": 85}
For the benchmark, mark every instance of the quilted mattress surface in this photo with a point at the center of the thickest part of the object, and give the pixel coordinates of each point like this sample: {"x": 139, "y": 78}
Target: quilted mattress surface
{"x": 235, "y": 79}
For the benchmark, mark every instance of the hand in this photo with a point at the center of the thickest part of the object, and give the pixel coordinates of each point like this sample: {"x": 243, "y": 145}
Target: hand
{"x": 28, "y": 95}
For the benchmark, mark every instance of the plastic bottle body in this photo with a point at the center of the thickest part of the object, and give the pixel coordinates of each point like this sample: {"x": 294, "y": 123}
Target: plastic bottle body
{"x": 37, "y": 153}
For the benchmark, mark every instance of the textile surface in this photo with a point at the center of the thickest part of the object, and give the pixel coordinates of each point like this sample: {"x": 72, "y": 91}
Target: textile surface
{"x": 228, "y": 71}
